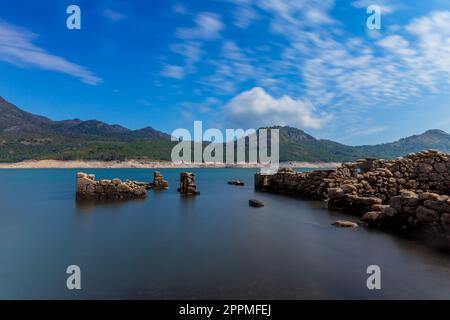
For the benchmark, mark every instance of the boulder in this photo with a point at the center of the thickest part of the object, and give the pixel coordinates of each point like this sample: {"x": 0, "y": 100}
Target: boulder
{"x": 336, "y": 193}
{"x": 424, "y": 214}
{"x": 389, "y": 212}
{"x": 348, "y": 188}
{"x": 345, "y": 224}
{"x": 371, "y": 217}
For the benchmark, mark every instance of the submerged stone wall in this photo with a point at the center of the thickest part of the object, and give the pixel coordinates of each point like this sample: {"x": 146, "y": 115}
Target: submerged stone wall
{"x": 375, "y": 187}
{"x": 311, "y": 185}
{"x": 90, "y": 189}
{"x": 188, "y": 186}
{"x": 158, "y": 182}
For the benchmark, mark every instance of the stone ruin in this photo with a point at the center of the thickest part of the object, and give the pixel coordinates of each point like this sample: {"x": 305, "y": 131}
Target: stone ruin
{"x": 408, "y": 192}
{"x": 90, "y": 189}
{"x": 187, "y": 184}
{"x": 158, "y": 182}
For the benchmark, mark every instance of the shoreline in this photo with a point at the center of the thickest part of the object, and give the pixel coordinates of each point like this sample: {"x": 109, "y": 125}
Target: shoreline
{"x": 147, "y": 164}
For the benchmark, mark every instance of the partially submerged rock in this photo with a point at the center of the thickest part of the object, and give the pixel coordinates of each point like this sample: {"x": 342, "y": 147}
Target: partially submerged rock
{"x": 345, "y": 224}
{"x": 236, "y": 182}
{"x": 90, "y": 189}
{"x": 255, "y": 203}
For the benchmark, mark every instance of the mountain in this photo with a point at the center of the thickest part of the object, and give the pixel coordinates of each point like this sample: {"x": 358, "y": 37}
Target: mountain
{"x": 25, "y": 136}
{"x": 296, "y": 145}
{"x": 17, "y": 121}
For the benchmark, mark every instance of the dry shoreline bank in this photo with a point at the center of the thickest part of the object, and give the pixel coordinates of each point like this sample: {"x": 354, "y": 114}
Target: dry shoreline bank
{"x": 144, "y": 164}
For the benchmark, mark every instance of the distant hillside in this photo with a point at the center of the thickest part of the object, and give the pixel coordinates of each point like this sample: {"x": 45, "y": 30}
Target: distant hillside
{"x": 296, "y": 145}
{"x": 25, "y": 136}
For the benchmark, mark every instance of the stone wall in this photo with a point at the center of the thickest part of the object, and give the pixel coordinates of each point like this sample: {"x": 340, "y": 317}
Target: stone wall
{"x": 90, "y": 189}
{"x": 158, "y": 182}
{"x": 375, "y": 188}
{"x": 311, "y": 185}
{"x": 188, "y": 186}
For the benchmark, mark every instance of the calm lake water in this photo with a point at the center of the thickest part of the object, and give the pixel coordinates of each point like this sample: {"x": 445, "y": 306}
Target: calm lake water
{"x": 213, "y": 246}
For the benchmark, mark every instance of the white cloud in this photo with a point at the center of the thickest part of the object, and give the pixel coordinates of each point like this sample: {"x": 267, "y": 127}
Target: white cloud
{"x": 172, "y": 71}
{"x": 300, "y": 12}
{"x": 244, "y": 13}
{"x": 398, "y": 45}
{"x": 16, "y": 47}
{"x": 190, "y": 50}
{"x": 258, "y": 108}
{"x": 433, "y": 35}
{"x": 207, "y": 27}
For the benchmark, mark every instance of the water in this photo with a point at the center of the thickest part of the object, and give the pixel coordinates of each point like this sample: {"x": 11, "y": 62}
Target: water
{"x": 213, "y": 246}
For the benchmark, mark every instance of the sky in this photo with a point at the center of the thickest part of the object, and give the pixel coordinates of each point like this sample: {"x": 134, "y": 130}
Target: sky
{"x": 313, "y": 65}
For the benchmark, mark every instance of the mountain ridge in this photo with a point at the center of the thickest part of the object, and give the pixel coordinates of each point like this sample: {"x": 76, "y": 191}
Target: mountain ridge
{"x": 26, "y": 136}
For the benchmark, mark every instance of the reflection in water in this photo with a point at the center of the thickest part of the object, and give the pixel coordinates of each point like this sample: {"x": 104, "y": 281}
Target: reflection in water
{"x": 90, "y": 206}
{"x": 211, "y": 246}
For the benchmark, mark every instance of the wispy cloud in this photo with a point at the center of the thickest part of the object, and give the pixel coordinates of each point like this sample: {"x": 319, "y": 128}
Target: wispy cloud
{"x": 173, "y": 71}
{"x": 16, "y": 47}
{"x": 113, "y": 15}
{"x": 304, "y": 54}
{"x": 207, "y": 27}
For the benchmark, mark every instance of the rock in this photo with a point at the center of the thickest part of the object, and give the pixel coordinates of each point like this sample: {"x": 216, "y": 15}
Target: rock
{"x": 336, "y": 193}
{"x": 424, "y": 214}
{"x": 440, "y": 167}
{"x": 396, "y": 202}
{"x": 236, "y": 183}
{"x": 371, "y": 217}
{"x": 377, "y": 207}
{"x": 345, "y": 224}
{"x": 406, "y": 194}
{"x": 445, "y": 218}
{"x": 389, "y": 212}
{"x": 437, "y": 205}
{"x": 348, "y": 188}
{"x": 424, "y": 168}
{"x": 429, "y": 196}
{"x": 366, "y": 201}
{"x": 386, "y": 172}
{"x": 255, "y": 203}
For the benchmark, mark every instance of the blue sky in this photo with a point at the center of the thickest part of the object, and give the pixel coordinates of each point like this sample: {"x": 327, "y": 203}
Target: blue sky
{"x": 310, "y": 64}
